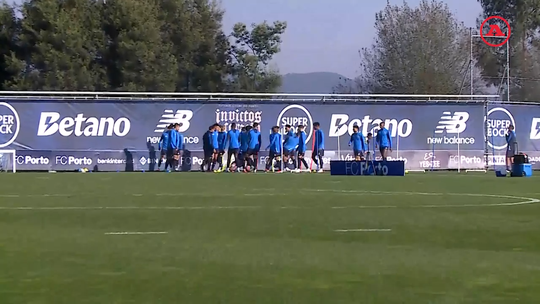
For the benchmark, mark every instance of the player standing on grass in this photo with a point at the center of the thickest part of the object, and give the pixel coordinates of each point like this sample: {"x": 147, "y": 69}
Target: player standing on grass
{"x": 163, "y": 144}
{"x": 384, "y": 141}
{"x": 318, "y": 147}
{"x": 369, "y": 140}
{"x": 289, "y": 146}
{"x": 172, "y": 149}
{"x": 254, "y": 145}
{"x": 233, "y": 144}
{"x": 208, "y": 149}
{"x": 244, "y": 143}
{"x": 222, "y": 141}
{"x": 215, "y": 145}
{"x": 275, "y": 150}
{"x": 359, "y": 143}
{"x": 301, "y": 149}
{"x": 179, "y": 146}
{"x": 511, "y": 147}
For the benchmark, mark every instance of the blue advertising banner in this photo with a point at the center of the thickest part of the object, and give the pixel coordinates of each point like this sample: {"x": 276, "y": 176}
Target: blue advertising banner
{"x": 118, "y": 133}
{"x": 385, "y": 168}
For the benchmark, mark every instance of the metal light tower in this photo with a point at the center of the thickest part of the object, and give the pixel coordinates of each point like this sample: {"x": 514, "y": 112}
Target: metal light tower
{"x": 507, "y": 61}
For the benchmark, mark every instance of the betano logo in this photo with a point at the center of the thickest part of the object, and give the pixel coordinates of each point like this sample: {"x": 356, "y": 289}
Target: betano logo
{"x": 51, "y": 123}
{"x": 449, "y": 123}
{"x": 341, "y": 125}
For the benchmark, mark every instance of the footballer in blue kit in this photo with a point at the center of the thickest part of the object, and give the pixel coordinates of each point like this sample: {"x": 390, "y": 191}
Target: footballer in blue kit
{"x": 163, "y": 145}
{"x": 274, "y": 150}
{"x": 244, "y": 143}
{"x": 254, "y": 145}
{"x": 233, "y": 144}
{"x": 358, "y": 143}
{"x": 318, "y": 147}
{"x": 301, "y": 148}
{"x": 222, "y": 142}
{"x": 289, "y": 146}
{"x": 383, "y": 141}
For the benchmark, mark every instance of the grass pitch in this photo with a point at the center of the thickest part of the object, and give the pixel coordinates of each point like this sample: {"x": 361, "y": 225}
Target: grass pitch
{"x": 268, "y": 238}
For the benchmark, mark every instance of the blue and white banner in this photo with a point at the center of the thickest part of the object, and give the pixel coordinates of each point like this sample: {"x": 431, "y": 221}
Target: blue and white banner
{"x": 116, "y": 134}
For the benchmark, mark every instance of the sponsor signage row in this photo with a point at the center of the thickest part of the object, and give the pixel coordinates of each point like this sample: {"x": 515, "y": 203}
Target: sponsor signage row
{"x": 136, "y": 127}
{"x": 138, "y": 161}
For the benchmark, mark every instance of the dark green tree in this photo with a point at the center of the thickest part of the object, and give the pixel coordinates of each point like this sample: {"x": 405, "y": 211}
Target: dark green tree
{"x": 135, "y": 55}
{"x": 9, "y": 31}
{"x": 194, "y": 29}
{"x": 57, "y": 48}
{"x": 250, "y": 55}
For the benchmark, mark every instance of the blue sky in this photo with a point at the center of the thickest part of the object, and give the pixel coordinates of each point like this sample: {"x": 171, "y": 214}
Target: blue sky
{"x": 324, "y": 35}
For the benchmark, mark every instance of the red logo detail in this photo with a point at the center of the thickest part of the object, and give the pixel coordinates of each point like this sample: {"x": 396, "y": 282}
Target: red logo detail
{"x": 495, "y": 31}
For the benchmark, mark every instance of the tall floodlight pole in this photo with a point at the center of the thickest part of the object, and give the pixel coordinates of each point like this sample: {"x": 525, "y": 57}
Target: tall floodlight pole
{"x": 507, "y": 62}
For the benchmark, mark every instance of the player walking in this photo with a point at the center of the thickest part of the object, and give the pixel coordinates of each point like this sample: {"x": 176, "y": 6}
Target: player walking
{"x": 301, "y": 149}
{"x": 163, "y": 144}
{"x": 318, "y": 147}
{"x": 275, "y": 150}
{"x": 384, "y": 141}
{"x": 359, "y": 143}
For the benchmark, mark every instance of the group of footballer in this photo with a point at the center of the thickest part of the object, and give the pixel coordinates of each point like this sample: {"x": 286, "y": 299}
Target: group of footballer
{"x": 244, "y": 145}
{"x": 286, "y": 152}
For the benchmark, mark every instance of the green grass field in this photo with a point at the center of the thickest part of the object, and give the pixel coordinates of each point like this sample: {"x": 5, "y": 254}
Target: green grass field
{"x": 268, "y": 238}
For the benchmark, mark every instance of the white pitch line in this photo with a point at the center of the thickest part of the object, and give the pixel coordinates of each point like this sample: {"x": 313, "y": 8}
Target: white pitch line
{"x": 524, "y": 201}
{"x": 129, "y": 233}
{"x": 363, "y": 230}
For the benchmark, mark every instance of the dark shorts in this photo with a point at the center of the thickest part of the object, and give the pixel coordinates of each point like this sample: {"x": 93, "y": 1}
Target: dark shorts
{"x": 232, "y": 151}
{"x": 170, "y": 153}
{"x": 358, "y": 153}
{"x": 301, "y": 154}
{"x": 221, "y": 151}
{"x": 288, "y": 152}
{"x": 510, "y": 153}
{"x": 163, "y": 153}
{"x": 382, "y": 149}
{"x": 208, "y": 153}
{"x": 319, "y": 152}
{"x": 251, "y": 152}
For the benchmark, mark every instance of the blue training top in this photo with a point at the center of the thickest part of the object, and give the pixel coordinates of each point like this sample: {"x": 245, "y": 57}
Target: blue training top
{"x": 302, "y": 142}
{"x": 233, "y": 139}
{"x": 275, "y": 143}
{"x": 319, "y": 140}
{"x": 383, "y": 138}
{"x": 164, "y": 140}
{"x": 358, "y": 142}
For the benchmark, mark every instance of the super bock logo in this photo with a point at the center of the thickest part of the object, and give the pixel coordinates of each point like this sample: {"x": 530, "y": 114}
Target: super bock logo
{"x": 497, "y": 122}
{"x": 296, "y": 115}
{"x": 9, "y": 124}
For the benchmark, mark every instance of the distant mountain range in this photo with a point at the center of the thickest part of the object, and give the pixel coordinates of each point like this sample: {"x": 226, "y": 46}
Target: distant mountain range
{"x": 315, "y": 83}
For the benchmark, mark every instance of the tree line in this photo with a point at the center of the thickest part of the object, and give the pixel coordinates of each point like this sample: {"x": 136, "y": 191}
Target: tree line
{"x": 134, "y": 45}
{"x": 426, "y": 50}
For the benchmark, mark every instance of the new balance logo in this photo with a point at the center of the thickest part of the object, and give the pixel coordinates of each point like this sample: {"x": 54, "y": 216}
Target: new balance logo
{"x": 535, "y": 128}
{"x": 181, "y": 117}
{"x": 452, "y": 124}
